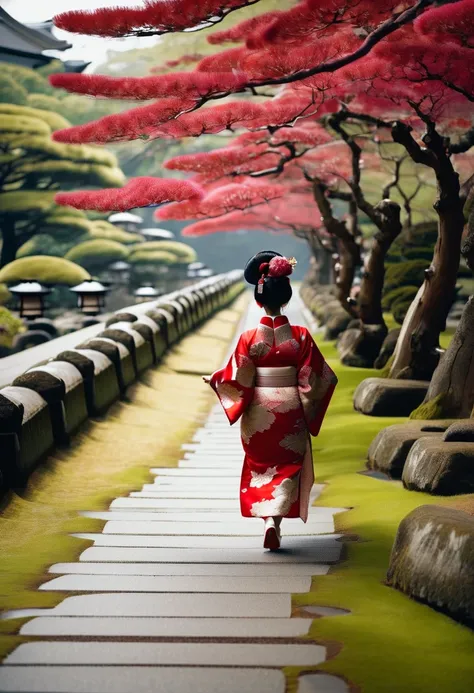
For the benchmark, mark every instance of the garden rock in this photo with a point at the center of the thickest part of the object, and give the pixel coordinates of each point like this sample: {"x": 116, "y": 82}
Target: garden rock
{"x": 443, "y": 469}
{"x": 460, "y": 431}
{"x": 390, "y": 447}
{"x": 387, "y": 397}
{"x": 360, "y": 347}
{"x": 327, "y": 309}
{"x": 336, "y": 324}
{"x": 387, "y": 349}
{"x": 29, "y": 339}
{"x": 44, "y": 325}
{"x": 433, "y": 560}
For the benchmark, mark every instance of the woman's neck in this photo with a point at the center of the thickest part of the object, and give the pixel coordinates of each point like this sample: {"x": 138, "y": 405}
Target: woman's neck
{"x": 272, "y": 313}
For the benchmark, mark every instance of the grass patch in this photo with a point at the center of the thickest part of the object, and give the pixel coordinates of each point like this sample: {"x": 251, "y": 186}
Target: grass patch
{"x": 107, "y": 459}
{"x": 390, "y": 643}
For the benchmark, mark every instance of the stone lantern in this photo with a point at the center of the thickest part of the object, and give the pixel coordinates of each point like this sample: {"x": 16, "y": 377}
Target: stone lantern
{"x": 90, "y": 296}
{"x": 31, "y": 295}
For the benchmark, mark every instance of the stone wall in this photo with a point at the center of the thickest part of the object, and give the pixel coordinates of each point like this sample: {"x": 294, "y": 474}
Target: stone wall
{"x": 54, "y": 388}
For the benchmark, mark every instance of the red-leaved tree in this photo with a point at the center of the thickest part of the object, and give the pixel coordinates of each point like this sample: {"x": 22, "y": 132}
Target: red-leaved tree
{"x": 350, "y": 68}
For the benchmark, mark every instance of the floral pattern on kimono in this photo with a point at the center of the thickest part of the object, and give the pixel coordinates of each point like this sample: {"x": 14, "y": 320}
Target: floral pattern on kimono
{"x": 276, "y": 422}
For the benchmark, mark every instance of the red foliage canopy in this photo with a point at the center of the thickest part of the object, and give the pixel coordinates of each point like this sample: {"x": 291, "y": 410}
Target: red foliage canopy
{"x": 222, "y": 200}
{"x": 130, "y": 125}
{"x": 451, "y": 22}
{"x": 285, "y": 214}
{"x": 183, "y": 85}
{"x": 139, "y": 192}
{"x": 241, "y": 31}
{"x": 155, "y": 17}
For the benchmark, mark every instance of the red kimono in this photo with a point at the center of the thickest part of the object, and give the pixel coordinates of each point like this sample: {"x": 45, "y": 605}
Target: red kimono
{"x": 279, "y": 383}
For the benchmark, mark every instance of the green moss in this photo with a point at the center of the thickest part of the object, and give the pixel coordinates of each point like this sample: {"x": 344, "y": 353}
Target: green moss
{"x": 389, "y": 642}
{"x": 433, "y": 409}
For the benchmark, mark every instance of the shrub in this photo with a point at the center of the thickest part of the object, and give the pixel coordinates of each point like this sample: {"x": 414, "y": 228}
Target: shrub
{"x": 400, "y": 308}
{"x": 5, "y": 295}
{"x": 409, "y": 273}
{"x": 12, "y": 92}
{"x": 405, "y": 292}
{"x": 45, "y": 269}
{"x": 97, "y": 254}
{"x": 10, "y": 326}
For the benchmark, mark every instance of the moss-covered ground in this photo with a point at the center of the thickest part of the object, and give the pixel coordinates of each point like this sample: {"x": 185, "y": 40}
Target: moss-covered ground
{"x": 389, "y": 643}
{"x": 108, "y": 458}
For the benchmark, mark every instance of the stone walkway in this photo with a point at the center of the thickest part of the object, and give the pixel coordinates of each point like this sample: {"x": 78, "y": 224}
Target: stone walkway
{"x": 176, "y": 594}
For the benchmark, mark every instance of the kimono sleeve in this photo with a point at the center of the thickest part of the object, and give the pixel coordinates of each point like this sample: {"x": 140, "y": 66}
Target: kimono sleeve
{"x": 234, "y": 384}
{"x": 316, "y": 383}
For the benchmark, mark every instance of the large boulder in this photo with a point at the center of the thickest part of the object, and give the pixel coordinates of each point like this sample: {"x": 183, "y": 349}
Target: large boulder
{"x": 460, "y": 431}
{"x": 433, "y": 560}
{"x": 387, "y": 348}
{"x": 387, "y": 397}
{"x": 443, "y": 469}
{"x": 336, "y": 324}
{"x": 390, "y": 447}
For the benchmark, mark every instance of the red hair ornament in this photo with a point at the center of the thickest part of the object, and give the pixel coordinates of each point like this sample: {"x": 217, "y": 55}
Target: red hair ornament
{"x": 277, "y": 267}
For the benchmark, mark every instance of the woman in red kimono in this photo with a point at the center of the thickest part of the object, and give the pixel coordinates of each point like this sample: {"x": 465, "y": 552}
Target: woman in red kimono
{"x": 280, "y": 386}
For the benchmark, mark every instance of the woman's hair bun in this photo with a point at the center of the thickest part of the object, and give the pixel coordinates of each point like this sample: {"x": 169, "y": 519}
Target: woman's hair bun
{"x": 252, "y": 271}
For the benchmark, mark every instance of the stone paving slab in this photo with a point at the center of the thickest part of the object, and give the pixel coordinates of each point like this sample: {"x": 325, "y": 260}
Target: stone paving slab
{"x": 176, "y": 653}
{"x": 325, "y": 550}
{"x": 207, "y": 462}
{"x": 174, "y": 503}
{"x": 195, "y": 542}
{"x": 206, "y": 520}
{"x": 135, "y": 525}
{"x": 105, "y": 679}
{"x": 90, "y": 626}
{"x": 169, "y": 482}
{"x": 190, "y": 569}
{"x": 186, "y": 493}
{"x": 176, "y": 604}
{"x": 194, "y": 473}
{"x": 144, "y": 583}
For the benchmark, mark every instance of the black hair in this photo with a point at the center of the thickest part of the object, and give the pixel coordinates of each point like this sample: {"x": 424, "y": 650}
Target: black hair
{"x": 276, "y": 292}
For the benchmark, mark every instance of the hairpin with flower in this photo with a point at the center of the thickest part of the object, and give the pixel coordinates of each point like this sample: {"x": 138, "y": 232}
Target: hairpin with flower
{"x": 277, "y": 267}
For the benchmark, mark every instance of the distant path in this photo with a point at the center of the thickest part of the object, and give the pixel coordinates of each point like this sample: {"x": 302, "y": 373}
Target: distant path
{"x": 176, "y": 595}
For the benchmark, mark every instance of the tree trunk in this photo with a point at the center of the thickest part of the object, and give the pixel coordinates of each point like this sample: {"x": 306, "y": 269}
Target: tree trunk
{"x": 451, "y": 391}
{"x": 349, "y": 250}
{"x": 325, "y": 268}
{"x": 417, "y": 353}
{"x": 370, "y": 296}
{"x": 9, "y": 242}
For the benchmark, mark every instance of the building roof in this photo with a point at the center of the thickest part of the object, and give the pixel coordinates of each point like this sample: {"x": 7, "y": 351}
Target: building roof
{"x": 26, "y": 43}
